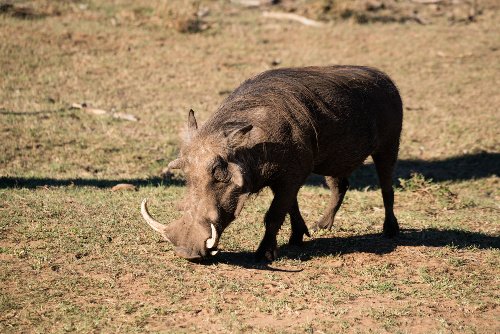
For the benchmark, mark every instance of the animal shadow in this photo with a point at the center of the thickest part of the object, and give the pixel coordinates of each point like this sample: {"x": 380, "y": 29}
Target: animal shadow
{"x": 36, "y": 182}
{"x": 377, "y": 244}
{"x": 457, "y": 168}
{"x": 368, "y": 243}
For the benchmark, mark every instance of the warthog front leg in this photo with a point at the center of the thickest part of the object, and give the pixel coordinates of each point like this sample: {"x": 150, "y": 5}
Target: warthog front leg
{"x": 299, "y": 227}
{"x": 285, "y": 197}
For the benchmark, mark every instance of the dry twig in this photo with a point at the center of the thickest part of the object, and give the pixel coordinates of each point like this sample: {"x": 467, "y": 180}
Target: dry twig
{"x": 292, "y": 17}
{"x": 96, "y": 111}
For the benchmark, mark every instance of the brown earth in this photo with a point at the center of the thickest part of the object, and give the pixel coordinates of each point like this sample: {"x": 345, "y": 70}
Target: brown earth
{"x": 76, "y": 257}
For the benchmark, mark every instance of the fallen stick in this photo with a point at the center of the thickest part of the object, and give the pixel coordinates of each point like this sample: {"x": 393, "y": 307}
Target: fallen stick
{"x": 127, "y": 117}
{"x": 427, "y": 2}
{"x": 247, "y": 3}
{"x": 95, "y": 111}
{"x": 254, "y": 3}
{"x": 292, "y": 17}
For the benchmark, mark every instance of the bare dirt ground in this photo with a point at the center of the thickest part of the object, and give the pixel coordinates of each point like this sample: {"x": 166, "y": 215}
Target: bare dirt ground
{"x": 77, "y": 257}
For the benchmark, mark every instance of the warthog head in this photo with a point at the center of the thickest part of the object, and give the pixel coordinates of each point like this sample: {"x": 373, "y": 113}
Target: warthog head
{"x": 216, "y": 189}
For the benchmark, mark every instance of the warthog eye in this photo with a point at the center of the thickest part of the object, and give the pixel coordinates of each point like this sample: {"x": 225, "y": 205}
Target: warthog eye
{"x": 220, "y": 171}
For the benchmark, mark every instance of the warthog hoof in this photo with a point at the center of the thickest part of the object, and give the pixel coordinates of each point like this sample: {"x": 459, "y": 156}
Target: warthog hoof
{"x": 321, "y": 225}
{"x": 391, "y": 228}
{"x": 268, "y": 255}
{"x": 297, "y": 238}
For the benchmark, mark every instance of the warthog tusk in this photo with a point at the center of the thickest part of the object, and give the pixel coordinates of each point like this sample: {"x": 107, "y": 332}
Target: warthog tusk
{"x": 214, "y": 252}
{"x": 158, "y": 227}
{"x": 213, "y": 239}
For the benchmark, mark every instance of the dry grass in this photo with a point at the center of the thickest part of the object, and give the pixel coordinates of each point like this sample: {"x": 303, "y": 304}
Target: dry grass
{"x": 77, "y": 257}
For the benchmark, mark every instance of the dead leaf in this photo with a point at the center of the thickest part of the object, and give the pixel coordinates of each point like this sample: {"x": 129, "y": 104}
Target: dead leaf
{"x": 76, "y": 106}
{"x": 124, "y": 186}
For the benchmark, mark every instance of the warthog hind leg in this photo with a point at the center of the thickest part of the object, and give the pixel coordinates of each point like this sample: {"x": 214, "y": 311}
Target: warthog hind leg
{"x": 339, "y": 187}
{"x": 384, "y": 163}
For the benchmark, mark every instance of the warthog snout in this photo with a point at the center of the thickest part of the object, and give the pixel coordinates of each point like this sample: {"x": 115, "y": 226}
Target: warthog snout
{"x": 192, "y": 243}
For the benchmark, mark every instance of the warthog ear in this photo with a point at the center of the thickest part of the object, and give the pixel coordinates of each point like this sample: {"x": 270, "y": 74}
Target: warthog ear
{"x": 245, "y": 136}
{"x": 239, "y": 137}
{"x": 192, "y": 125}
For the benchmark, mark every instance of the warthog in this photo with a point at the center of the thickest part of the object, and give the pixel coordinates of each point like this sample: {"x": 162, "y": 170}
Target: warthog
{"x": 273, "y": 131}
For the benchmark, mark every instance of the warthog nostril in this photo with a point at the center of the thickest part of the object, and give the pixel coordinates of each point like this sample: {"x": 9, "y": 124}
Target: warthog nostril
{"x": 187, "y": 254}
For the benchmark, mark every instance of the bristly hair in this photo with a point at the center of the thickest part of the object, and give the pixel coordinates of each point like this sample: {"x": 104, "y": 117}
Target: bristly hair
{"x": 295, "y": 97}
